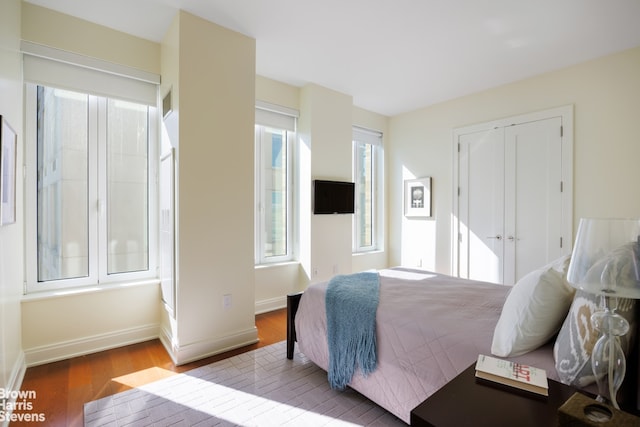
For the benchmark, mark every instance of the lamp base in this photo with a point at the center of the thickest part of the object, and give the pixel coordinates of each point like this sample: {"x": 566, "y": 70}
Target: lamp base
{"x": 582, "y": 411}
{"x": 607, "y": 358}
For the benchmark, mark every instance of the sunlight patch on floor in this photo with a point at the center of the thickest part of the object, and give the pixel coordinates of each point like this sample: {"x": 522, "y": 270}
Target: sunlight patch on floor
{"x": 145, "y": 376}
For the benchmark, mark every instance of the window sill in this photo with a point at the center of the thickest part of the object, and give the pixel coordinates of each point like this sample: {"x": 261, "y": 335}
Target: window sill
{"x": 276, "y": 264}
{"x": 371, "y": 252}
{"x": 63, "y": 293}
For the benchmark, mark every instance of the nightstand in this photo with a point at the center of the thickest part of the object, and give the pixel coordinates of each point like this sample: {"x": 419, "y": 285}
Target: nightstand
{"x": 467, "y": 401}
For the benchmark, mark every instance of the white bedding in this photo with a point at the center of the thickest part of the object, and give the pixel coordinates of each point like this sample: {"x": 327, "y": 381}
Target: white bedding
{"x": 430, "y": 327}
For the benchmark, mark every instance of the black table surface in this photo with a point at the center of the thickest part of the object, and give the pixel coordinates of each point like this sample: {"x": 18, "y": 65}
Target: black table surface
{"x": 469, "y": 401}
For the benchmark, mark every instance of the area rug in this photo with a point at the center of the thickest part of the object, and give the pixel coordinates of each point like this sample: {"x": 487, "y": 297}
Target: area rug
{"x": 258, "y": 388}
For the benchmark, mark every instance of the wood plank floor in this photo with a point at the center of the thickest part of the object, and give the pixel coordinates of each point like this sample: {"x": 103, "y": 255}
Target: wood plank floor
{"x": 62, "y": 388}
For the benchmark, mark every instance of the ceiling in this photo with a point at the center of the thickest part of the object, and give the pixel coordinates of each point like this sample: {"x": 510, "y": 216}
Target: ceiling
{"x": 394, "y": 56}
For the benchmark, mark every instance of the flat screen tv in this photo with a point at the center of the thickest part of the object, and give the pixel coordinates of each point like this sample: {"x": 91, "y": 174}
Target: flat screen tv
{"x": 333, "y": 197}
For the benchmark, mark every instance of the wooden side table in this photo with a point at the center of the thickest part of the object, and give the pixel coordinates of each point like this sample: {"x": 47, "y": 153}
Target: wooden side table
{"x": 467, "y": 401}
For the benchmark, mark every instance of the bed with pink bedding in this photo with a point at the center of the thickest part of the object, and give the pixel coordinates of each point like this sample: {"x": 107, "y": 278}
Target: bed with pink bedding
{"x": 430, "y": 327}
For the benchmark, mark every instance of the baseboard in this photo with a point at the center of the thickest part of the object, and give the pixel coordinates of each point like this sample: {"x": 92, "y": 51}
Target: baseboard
{"x": 181, "y": 354}
{"x": 87, "y": 345}
{"x": 166, "y": 339}
{"x": 17, "y": 373}
{"x": 14, "y": 384}
{"x": 271, "y": 304}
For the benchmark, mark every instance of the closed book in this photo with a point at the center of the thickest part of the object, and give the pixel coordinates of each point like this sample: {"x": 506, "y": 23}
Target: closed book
{"x": 513, "y": 374}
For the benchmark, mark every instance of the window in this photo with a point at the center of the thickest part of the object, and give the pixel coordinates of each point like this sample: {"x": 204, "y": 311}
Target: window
{"x": 367, "y": 147}
{"x": 90, "y": 189}
{"x": 91, "y": 160}
{"x": 275, "y": 133}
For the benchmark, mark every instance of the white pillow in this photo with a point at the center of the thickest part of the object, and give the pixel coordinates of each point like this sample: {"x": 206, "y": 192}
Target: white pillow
{"x": 534, "y": 310}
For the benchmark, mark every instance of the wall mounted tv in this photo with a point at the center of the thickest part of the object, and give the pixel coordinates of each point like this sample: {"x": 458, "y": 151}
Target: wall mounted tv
{"x": 333, "y": 197}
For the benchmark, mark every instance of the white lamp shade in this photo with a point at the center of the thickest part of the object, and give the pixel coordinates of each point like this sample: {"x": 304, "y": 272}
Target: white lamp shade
{"x": 605, "y": 257}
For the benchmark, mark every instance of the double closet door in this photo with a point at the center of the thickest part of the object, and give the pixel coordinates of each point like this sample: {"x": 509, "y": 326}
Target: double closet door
{"x": 513, "y": 209}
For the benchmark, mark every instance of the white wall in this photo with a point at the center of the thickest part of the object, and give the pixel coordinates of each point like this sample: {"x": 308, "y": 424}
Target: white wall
{"x": 11, "y": 242}
{"x": 605, "y": 94}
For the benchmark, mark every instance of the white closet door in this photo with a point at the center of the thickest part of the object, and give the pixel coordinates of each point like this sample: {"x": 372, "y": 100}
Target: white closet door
{"x": 533, "y": 198}
{"x": 481, "y": 205}
{"x": 511, "y": 213}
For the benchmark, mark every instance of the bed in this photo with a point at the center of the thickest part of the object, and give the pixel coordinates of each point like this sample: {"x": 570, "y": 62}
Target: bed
{"x": 420, "y": 345}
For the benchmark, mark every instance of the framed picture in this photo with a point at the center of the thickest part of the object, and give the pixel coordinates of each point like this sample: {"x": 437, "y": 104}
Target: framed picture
{"x": 417, "y": 197}
{"x": 8, "y": 151}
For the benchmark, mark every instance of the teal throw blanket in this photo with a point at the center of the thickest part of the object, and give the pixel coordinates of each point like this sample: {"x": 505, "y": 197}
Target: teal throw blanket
{"x": 351, "y": 305}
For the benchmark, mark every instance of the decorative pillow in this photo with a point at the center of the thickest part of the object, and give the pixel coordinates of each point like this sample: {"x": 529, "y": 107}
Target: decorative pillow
{"x": 534, "y": 310}
{"x": 573, "y": 347}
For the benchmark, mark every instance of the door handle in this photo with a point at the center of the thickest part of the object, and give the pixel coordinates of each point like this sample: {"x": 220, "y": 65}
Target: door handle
{"x": 497, "y": 237}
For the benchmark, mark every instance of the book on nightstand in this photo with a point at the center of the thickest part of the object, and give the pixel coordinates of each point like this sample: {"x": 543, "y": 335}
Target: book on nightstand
{"x": 513, "y": 374}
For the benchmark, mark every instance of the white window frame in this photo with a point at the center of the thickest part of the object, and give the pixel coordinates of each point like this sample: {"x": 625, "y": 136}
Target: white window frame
{"x": 281, "y": 118}
{"x": 100, "y": 80}
{"x": 374, "y": 138}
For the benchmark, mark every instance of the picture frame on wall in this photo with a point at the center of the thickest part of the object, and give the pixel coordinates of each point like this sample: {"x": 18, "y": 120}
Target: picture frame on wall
{"x": 417, "y": 197}
{"x": 8, "y": 152}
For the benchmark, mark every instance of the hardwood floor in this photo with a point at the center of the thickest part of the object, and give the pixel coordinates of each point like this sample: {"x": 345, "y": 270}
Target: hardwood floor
{"x": 62, "y": 388}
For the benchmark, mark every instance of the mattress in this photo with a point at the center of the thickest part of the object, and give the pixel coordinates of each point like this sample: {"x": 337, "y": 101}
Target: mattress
{"x": 430, "y": 327}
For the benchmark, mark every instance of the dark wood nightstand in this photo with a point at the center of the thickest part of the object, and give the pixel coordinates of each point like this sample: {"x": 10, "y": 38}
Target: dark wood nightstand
{"x": 467, "y": 401}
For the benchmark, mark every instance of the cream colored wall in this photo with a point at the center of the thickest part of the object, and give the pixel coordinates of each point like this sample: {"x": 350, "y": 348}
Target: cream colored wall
{"x": 198, "y": 71}
{"x": 59, "y": 327}
{"x": 379, "y": 258}
{"x": 12, "y": 363}
{"x": 63, "y": 326}
{"x": 606, "y": 98}
{"x": 51, "y": 28}
{"x": 328, "y": 132}
{"x": 274, "y": 282}
{"x": 277, "y": 93}
{"x": 214, "y": 207}
{"x": 331, "y": 246}
{"x": 605, "y": 94}
{"x": 169, "y": 138}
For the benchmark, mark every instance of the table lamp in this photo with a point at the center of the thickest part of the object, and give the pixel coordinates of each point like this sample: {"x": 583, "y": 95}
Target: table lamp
{"x": 605, "y": 261}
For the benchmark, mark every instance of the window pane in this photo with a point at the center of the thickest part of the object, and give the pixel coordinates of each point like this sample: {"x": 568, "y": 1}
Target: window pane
{"x": 127, "y": 184}
{"x": 63, "y": 248}
{"x": 274, "y": 173}
{"x": 365, "y": 194}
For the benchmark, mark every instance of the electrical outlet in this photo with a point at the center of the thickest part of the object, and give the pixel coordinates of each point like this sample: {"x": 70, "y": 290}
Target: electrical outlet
{"x": 227, "y": 301}
{"x": 315, "y": 272}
